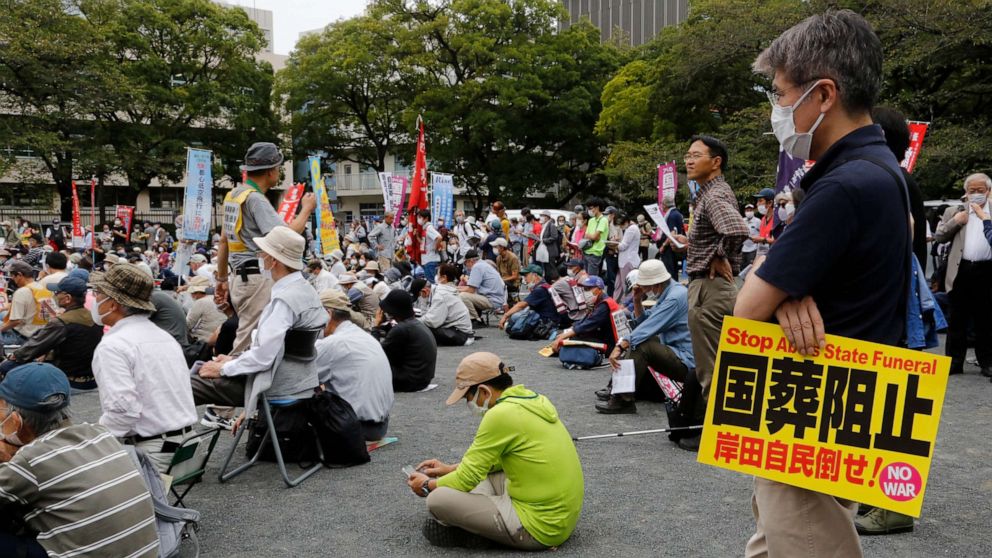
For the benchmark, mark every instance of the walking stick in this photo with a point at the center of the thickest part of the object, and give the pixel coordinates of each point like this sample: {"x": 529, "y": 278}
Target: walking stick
{"x": 638, "y": 433}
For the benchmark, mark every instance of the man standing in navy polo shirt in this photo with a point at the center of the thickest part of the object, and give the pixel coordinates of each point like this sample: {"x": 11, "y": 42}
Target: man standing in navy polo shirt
{"x": 849, "y": 280}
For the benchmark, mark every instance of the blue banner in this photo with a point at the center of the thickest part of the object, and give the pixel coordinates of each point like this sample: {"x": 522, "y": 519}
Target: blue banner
{"x": 443, "y": 206}
{"x": 198, "y": 204}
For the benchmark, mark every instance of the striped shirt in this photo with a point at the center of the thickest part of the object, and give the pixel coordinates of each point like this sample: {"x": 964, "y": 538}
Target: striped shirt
{"x": 80, "y": 491}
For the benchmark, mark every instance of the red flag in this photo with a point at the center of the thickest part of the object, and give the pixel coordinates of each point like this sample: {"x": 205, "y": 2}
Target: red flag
{"x": 287, "y": 208}
{"x": 77, "y": 227}
{"x": 93, "y": 213}
{"x": 916, "y": 132}
{"x": 418, "y": 195}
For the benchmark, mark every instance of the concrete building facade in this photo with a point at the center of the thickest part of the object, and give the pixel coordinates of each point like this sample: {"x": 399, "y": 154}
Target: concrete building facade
{"x": 639, "y": 21}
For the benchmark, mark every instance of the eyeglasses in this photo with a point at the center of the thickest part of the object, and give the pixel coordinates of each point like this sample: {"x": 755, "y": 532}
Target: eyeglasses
{"x": 775, "y": 96}
{"x": 694, "y": 156}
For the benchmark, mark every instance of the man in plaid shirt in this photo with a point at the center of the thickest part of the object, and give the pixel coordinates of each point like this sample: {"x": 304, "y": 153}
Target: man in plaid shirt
{"x": 714, "y": 258}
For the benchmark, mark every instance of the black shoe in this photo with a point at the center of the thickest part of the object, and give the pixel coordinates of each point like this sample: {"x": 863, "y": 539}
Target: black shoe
{"x": 603, "y": 394}
{"x": 478, "y": 324}
{"x": 616, "y": 406}
{"x": 987, "y": 371}
{"x": 957, "y": 367}
{"x": 690, "y": 444}
{"x": 448, "y": 537}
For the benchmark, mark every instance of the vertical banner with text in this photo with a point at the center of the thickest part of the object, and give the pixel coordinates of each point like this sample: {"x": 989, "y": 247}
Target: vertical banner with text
{"x": 668, "y": 180}
{"x": 198, "y": 202}
{"x": 77, "y": 226}
{"x": 857, "y": 420}
{"x": 917, "y": 130}
{"x": 126, "y": 214}
{"x": 386, "y": 183}
{"x": 327, "y": 237}
{"x": 290, "y": 201}
{"x": 398, "y": 186}
{"x": 443, "y": 197}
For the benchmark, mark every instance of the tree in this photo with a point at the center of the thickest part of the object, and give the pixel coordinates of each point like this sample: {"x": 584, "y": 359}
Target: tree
{"x": 346, "y": 92}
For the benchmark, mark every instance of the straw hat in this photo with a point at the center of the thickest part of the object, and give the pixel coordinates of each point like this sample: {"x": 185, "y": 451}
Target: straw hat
{"x": 283, "y": 244}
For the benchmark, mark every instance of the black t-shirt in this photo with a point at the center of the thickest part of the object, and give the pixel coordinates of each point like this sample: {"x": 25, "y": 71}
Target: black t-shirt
{"x": 412, "y": 353}
{"x": 848, "y": 243}
{"x": 225, "y": 337}
{"x": 540, "y": 301}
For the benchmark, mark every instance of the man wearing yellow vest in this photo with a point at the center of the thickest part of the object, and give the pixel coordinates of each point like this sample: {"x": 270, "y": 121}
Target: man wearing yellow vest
{"x": 31, "y": 307}
{"x": 248, "y": 214}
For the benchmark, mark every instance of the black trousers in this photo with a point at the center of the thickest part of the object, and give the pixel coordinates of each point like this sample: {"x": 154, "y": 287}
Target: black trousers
{"x": 449, "y": 336}
{"x": 971, "y": 302}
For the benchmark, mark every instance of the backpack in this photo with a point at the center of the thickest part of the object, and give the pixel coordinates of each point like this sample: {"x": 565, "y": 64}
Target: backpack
{"x": 524, "y": 327}
{"x": 172, "y": 523}
{"x": 292, "y": 425}
{"x": 579, "y": 358}
{"x": 338, "y": 429}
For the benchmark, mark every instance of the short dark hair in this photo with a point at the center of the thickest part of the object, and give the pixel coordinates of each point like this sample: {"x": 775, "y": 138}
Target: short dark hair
{"x": 500, "y": 383}
{"x": 339, "y": 315}
{"x": 595, "y": 202}
{"x": 896, "y": 129}
{"x": 449, "y": 271}
{"x": 424, "y": 213}
{"x": 715, "y": 147}
{"x": 315, "y": 264}
{"x": 56, "y": 260}
{"x": 85, "y": 263}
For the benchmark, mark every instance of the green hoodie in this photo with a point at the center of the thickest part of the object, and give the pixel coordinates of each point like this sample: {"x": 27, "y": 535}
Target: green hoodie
{"x": 522, "y": 436}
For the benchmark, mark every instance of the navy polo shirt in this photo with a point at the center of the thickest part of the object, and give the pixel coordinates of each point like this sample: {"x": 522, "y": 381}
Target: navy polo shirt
{"x": 540, "y": 301}
{"x": 848, "y": 243}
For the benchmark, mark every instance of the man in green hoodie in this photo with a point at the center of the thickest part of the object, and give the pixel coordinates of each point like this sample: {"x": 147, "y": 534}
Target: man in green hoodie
{"x": 519, "y": 484}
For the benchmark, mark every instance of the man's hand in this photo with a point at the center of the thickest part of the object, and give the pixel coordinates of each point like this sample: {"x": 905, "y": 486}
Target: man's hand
{"x": 435, "y": 468}
{"x": 721, "y": 267}
{"x": 637, "y": 291}
{"x": 237, "y": 423}
{"x": 615, "y": 357}
{"x": 961, "y": 218}
{"x": 502, "y": 322}
{"x": 980, "y": 212}
{"x": 556, "y": 344}
{"x": 213, "y": 368}
{"x": 802, "y": 324}
{"x": 220, "y": 293}
{"x": 416, "y": 482}
{"x": 308, "y": 202}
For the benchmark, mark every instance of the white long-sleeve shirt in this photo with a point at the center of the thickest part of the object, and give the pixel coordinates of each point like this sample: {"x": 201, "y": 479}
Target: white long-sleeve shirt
{"x": 144, "y": 382}
{"x": 354, "y": 364}
{"x": 270, "y": 334}
{"x": 628, "y": 247}
{"x": 323, "y": 281}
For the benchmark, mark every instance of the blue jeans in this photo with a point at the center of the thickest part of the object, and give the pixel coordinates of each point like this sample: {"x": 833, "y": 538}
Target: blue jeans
{"x": 594, "y": 264}
{"x": 11, "y": 337}
{"x": 430, "y": 271}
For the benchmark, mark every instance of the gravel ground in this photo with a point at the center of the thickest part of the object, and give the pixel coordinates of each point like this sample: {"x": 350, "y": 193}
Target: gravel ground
{"x": 644, "y": 496}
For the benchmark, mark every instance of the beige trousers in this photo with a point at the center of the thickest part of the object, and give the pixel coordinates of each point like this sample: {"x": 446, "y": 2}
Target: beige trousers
{"x": 249, "y": 298}
{"x": 709, "y": 301}
{"x": 486, "y": 511}
{"x": 475, "y": 304}
{"x": 792, "y": 521}
{"x": 153, "y": 448}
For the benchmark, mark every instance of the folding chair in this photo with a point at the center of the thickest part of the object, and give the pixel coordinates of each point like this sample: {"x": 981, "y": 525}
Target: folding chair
{"x": 189, "y": 463}
{"x": 265, "y": 413}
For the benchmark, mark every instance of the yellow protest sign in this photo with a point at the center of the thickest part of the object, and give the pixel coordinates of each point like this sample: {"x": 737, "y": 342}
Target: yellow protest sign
{"x": 858, "y": 420}
{"x": 327, "y": 239}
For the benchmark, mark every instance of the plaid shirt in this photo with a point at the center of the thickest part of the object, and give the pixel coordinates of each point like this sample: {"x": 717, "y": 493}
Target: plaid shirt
{"x": 718, "y": 229}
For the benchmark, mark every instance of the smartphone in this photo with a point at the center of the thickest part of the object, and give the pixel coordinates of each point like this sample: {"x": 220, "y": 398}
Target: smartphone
{"x": 195, "y": 370}
{"x": 407, "y": 471}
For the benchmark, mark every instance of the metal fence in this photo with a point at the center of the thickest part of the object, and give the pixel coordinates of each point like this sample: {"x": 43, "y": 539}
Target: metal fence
{"x": 44, "y": 217}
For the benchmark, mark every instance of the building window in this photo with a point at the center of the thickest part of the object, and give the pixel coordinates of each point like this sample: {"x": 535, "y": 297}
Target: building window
{"x": 369, "y": 210}
{"x": 347, "y": 168}
{"x": 165, "y": 198}
{"x": 26, "y": 195}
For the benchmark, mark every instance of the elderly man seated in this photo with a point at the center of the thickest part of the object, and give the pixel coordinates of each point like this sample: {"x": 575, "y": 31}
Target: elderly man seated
{"x": 72, "y": 483}
{"x": 352, "y": 363}
{"x": 484, "y": 289}
{"x": 408, "y": 344}
{"x": 367, "y": 301}
{"x": 538, "y": 307}
{"x": 445, "y": 313}
{"x": 569, "y": 297}
{"x": 204, "y": 318}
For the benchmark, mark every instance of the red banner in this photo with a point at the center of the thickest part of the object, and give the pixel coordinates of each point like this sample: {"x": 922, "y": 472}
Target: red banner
{"x": 93, "y": 214}
{"x": 126, "y": 214}
{"x": 916, "y": 132}
{"x": 418, "y": 193}
{"x": 77, "y": 227}
{"x": 287, "y": 208}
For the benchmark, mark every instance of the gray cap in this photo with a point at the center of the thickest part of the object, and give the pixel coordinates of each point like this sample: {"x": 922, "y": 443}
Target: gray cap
{"x": 262, "y": 156}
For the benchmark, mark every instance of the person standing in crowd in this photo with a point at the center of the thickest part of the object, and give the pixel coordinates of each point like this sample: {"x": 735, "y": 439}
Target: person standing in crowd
{"x": 464, "y": 231}
{"x": 31, "y": 307}
{"x": 785, "y": 208}
{"x": 577, "y": 233}
{"x": 749, "y": 250}
{"x": 853, "y": 280}
{"x": 548, "y": 249}
{"x": 280, "y": 362}
{"x": 714, "y": 255}
{"x": 646, "y": 230}
{"x": 249, "y": 215}
{"x": 611, "y": 258}
{"x": 446, "y": 315}
{"x": 71, "y": 486}
{"x": 519, "y": 484}
{"x": 409, "y": 345}
{"x": 144, "y": 381}
{"x": 628, "y": 252}
{"x": 969, "y": 274}
{"x": 499, "y": 211}
{"x": 676, "y": 225}
{"x": 597, "y": 232}
{"x": 383, "y": 238}
{"x": 36, "y": 251}
{"x": 765, "y": 204}
{"x": 431, "y": 245}
{"x": 484, "y": 289}
{"x": 508, "y": 265}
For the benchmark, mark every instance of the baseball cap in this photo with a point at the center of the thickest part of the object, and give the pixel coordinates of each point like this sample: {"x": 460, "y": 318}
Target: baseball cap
{"x": 398, "y": 304}
{"x": 610, "y": 209}
{"x": 575, "y": 262}
{"x": 20, "y": 268}
{"x": 29, "y": 385}
{"x": 533, "y": 268}
{"x": 592, "y": 281}
{"x": 501, "y": 242}
{"x": 416, "y": 286}
{"x": 335, "y": 299}
{"x": 71, "y": 284}
{"x": 80, "y": 272}
{"x": 354, "y": 295}
{"x": 765, "y": 193}
{"x": 198, "y": 258}
{"x": 261, "y": 156}
{"x": 473, "y": 370}
{"x": 749, "y": 205}
{"x": 471, "y": 255}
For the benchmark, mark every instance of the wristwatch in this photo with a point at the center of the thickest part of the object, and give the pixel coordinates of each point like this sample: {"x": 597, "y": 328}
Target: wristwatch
{"x": 425, "y": 488}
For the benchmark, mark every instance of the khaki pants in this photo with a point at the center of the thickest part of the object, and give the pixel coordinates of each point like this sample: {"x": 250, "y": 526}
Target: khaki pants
{"x": 475, "y": 304}
{"x": 384, "y": 264}
{"x": 153, "y": 448}
{"x": 249, "y": 298}
{"x": 793, "y": 521}
{"x": 709, "y": 301}
{"x": 486, "y": 511}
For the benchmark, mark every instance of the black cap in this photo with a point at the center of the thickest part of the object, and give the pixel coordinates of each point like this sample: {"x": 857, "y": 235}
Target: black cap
{"x": 416, "y": 286}
{"x": 471, "y": 255}
{"x": 398, "y": 304}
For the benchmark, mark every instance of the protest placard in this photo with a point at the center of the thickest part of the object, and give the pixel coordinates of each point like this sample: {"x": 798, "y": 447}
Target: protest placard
{"x": 858, "y": 420}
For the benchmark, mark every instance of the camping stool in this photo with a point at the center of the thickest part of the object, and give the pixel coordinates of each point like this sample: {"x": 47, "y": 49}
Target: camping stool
{"x": 265, "y": 413}
{"x": 189, "y": 463}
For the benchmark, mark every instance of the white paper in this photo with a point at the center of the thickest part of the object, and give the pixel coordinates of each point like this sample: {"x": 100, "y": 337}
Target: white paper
{"x": 655, "y": 213}
{"x": 623, "y": 378}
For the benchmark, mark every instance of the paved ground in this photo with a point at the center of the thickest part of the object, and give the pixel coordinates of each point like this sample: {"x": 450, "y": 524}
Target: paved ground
{"x": 644, "y": 497}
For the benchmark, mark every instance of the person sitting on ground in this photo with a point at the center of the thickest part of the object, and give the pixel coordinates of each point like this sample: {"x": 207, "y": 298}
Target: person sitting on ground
{"x": 320, "y": 279}
{"x": 660, "y": 340}
{"x": 280, "y": 361}
{"x": 598, "y": 326}
{"x": 375, "y": 279}
{"x": 519, "y": 484}
{"x": 569, "y": 297}
{"x": 420, "y": 291}
{"x": 72, "y": 483}
{"x": 144, "y": 381}
{"x": 204, "y": 318}
{"x": 484, "y": 289}
{"x": 31, "y": 307}
{"x": 446, "y": 315}
{"x": 539, "y": 302}
{"x": 71, "y": 338}
{"x": 334, "y": 263}
{"x": 508, "y": 265}
{"x": 353, "y": 364}
{"x": 408, "y": 344}
{"x": 368, "y": 302}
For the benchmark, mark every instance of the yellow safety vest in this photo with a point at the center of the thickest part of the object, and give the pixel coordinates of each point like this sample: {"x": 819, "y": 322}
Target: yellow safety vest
{"x": 233, "y": 220}
{"x": 44, "y": 305}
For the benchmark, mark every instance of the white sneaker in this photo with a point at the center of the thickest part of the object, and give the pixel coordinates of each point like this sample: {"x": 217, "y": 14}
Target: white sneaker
{"x": 469, "y": 341}
{"x": 213, "y": 417}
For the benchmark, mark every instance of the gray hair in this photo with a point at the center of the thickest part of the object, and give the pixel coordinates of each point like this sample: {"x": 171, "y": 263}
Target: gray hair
{"x": 839, "y": 45}
{"x": 42, "y": 422}
{"x": 978, "y": 176}
{"x": 668, "y": 199}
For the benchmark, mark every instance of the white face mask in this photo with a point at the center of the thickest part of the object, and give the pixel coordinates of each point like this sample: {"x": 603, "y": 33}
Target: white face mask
{"x": 785, "y": 212}
{"x": 763, "y": 209}
{"x": 977, "y": 199}
{"x": 749, "y": 214}
{"x": 95, "y": 312}
{"x": 475, "y": 407}
{"x": 266, "y": 273}
{"x": 11, "y": 439}
{"x": 784, "y": 126}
